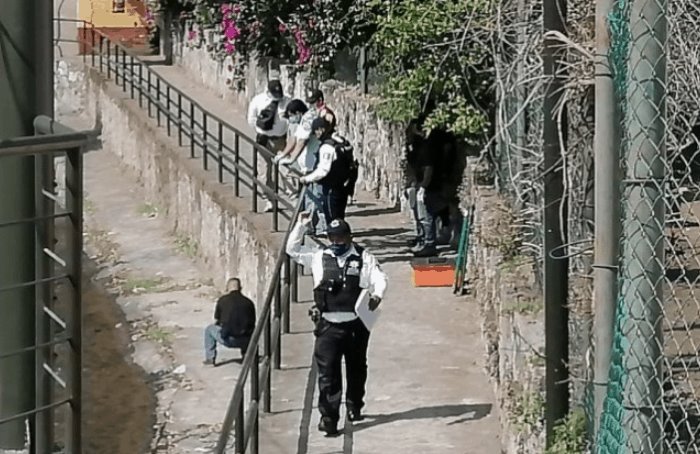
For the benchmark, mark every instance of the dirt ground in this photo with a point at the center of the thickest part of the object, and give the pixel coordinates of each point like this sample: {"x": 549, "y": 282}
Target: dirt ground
{"x": 117, "y": 400}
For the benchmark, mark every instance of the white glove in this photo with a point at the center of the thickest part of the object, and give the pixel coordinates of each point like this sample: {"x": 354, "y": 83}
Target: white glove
{"x": 277, "y": 158}
{"x": 286, "y": 161}
{"x": 420, "y": 195}
{"x": 305, "y": 218}
{"x": 304, "y": 179}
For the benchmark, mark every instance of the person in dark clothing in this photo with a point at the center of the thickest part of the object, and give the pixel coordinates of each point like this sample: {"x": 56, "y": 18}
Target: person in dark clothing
{"x": 234, "y": 322}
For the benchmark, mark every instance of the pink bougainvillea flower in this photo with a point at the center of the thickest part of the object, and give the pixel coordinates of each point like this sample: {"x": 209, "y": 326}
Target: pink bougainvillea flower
{"x": 236, "y": 9}
{"x": 232, "y": 32}
{"x": 229, "y": 48}
{"x": 282, "y": 28}
{"x": 226, "y": 8}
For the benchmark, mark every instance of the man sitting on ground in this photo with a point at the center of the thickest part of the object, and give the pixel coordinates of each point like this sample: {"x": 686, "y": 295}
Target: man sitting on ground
{"x": 234, "y": 322}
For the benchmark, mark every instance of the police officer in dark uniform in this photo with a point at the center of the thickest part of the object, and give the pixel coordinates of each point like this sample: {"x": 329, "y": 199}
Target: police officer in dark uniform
{"x": 340, "y": 273}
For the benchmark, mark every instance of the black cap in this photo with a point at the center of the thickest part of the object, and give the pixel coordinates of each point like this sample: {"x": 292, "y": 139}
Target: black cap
{"x": 313, "y": 95}
{"x": 338, "y": 227}
{"x": 275, "y": 88}
{"x": 320, "y": 123}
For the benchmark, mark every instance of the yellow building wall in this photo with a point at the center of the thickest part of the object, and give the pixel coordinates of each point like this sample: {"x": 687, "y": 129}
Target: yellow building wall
{"x": 99, "y": 12}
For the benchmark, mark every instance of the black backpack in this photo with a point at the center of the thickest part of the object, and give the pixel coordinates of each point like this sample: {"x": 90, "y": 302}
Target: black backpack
{"x": 344, "y": 166}
{"x": 266, "y": 118}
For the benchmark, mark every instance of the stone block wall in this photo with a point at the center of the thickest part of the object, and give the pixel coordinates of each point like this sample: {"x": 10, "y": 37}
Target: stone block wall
{"x": 502, "y": 282}
{"x": 228, "y": 241}
{"x": 379, "y": 145}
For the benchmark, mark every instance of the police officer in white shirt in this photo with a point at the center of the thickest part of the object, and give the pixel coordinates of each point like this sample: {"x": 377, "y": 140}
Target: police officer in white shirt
{"x": 266, "y": 115}
{"x": 330, "y": 172}
{"x": 340, "y": 273}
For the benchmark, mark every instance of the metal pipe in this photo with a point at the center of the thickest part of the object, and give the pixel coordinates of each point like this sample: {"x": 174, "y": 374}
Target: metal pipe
{"x": 642, "y": 263}
{"x": 42, "y": 433}
{"x": 20, "y": 82}
{"x": 556, "y": 270}
{"x": 606, "y": 209}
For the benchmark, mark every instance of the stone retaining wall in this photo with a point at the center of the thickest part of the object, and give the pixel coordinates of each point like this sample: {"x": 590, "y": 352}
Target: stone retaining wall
{"x": 379, "y": 145}
{"x": 503, "y": 284}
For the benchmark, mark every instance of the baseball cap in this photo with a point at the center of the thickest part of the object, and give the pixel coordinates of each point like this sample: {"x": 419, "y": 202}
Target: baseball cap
{"x": 313, "y": 95}
{"x": 320, "y": 123}
{"x": 275, "y": 88}
{"x": 339, "y": 227}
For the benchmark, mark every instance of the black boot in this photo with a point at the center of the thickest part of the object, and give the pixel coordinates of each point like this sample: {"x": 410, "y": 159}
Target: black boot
{"x": 328, "y": 426}
{"x": 355, "y": 415}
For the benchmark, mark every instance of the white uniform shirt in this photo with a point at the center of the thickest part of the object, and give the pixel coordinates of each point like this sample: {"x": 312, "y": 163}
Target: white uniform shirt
{"x": 308, "y": 157}
{"x": 258, "y": 104}
{"x": 326, "y": 156}
{"x": 311, "y": 255}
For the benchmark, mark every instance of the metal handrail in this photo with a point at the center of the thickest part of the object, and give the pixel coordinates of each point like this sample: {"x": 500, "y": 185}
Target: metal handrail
{"x": 274, "y": 317}
{"x": 134, "y": 76}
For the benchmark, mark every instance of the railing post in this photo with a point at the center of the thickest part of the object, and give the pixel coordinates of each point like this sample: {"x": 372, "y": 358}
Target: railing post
{"x": 140, "y": 85}
{"x": 109, "y": 58}
{"x": 132, "y": 75}
{"x": 158, "y": 101}
{"x": 277, "y": 354}
{"x": 205, "y": 149}
{"x": 192, "y": 153}
{"x": 286, "y": 291}
{"x": 267, "y": 401}
{"x": 255, "y": 397}
{"x": 255, "y": 178}
{"x": 220, "y": 149}
{"x": 148, "y": 92}
{"x": 294, "y": 289}
{"x": 92, "y": 46}
{"x": 124, "y": 70}
{"x": 240, "y": 428}
{"x": 237, "y": 158}
{"x": 74, "y": 204}
{"x": 102, "y": 45}
{"x": 275, "y": 199}
{"x": 167, "y": 108}
{"x": 179, "y": 119}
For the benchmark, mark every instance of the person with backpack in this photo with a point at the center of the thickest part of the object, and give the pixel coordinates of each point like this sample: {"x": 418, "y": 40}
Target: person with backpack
{"x": 266, "y": 116}
{"x": 334, "y": 169}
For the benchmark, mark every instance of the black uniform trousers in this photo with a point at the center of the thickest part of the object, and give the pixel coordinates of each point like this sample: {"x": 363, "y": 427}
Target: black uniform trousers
{"x": 335, "y": 201}
{"x": 333, "y": 342}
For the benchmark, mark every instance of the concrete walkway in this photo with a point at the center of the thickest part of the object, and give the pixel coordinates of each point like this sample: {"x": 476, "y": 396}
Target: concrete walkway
{"x": 427, "y": 392}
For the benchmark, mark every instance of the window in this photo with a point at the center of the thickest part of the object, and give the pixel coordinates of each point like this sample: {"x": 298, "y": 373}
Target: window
{"x": 118, "y": 6}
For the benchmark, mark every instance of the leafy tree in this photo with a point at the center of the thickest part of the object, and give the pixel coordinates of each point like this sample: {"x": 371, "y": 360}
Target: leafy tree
{"x": 434, "y": 59}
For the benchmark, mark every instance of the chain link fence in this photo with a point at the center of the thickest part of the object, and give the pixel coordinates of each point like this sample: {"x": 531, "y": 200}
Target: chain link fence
{"x": 652, "y": 402}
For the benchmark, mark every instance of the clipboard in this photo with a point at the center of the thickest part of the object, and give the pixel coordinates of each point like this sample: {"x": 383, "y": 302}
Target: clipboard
{"x": 368, "y": 317}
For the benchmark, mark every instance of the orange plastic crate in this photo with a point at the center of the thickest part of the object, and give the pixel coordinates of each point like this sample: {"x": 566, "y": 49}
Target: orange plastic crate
{"x": 433, "y": 272}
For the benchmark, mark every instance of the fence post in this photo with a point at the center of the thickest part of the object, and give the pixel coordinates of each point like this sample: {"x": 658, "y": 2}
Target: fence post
{"x": 220, "y": 150}
{"x": 237, "y": 160}
{"x": 606, "y": 206}
{"x": 287, "y": 291}
{"x": 642, "y": 262}
{"x": 205, "y": 149}
{"x": 556, "y": 270}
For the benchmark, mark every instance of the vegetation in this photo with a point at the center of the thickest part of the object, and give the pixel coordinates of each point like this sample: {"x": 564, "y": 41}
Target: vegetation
{"x": 570, "y": 434}
{"x": 432, "y": 57}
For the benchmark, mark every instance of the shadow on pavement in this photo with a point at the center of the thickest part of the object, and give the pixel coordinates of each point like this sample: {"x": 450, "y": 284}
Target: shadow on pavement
{"x": 443, "y": 411}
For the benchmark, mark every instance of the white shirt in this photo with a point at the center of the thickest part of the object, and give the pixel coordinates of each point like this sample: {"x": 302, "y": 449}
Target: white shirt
{"x": 326, "y": 156}
{"x": 308, "y": 157}
{"x": 258, "y": 104}
{"x": 311, "y": 255}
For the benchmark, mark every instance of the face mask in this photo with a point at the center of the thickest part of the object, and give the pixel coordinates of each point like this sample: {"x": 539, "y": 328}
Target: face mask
{"x": 294, "y": 119}
{"x": 339, "y": 249}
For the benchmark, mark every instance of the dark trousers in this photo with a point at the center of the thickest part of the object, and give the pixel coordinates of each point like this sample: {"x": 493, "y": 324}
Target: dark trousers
{"x": 333, "y": 342}
{"x": 335, "y": 201}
